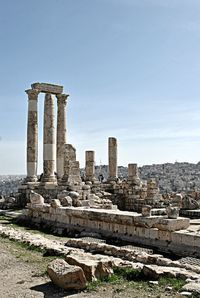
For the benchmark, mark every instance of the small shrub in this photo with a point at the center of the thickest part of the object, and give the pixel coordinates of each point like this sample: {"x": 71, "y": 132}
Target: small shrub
{"x": 129, "y": 273}
{"x": 175, "y": 283}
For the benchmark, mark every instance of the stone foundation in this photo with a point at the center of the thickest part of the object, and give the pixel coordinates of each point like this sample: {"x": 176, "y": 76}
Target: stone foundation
{"x": 159, "y": 232}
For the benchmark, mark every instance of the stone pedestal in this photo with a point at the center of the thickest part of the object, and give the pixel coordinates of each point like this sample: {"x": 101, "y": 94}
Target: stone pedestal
{"x": 61, "y": 133}
{"x": 32, "y": 136}
{"x": 112, "y": 158}
{"x": 49, "y": 141}
{"x": 89, "y": 165}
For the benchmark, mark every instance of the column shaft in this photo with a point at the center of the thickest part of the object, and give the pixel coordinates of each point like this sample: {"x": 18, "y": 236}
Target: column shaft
{"x": 89, "y": 165}
{"x": 112, "y": 158}
{"x": 61, "y": 132}
{"x": 49, "y": 141}
{"x": 132, "y": 171}
{"x": 32, "y": 136}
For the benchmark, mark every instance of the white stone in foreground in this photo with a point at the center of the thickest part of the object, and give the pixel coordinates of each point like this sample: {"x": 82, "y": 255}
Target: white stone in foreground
{"x": 66, "y": 276}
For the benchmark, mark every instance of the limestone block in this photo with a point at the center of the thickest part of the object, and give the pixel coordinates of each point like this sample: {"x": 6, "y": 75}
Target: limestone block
{"x": 86, "y": 187}
{"x": 47, "y": 88}
{"x": 197, "y": 240}
{"x": 146, "y": 210}
{"x": 146, "y": 221}
{"x": 192, "y": 287}
{"x": 164, "y": 235}
{"x": 52, "y": 210}
{"x": 180, "y": 223}
{"x": 66, "y": 276}
{"x": 188, "y": 239}
{"x": 36, "y": 198}
{"x": 85, "y": 203}
{"x": 74, "y": 194}
{"x": 46, "y": 208}
{"x": 176, "y": 237}
{"x": 154, "y": 272}
{"x": 66, "y": 201}
{"x": 93, "y": 266}
{"x": 153, "y": 233}
{"x": 55, "y": 203}
{"x": 172, "y": 212}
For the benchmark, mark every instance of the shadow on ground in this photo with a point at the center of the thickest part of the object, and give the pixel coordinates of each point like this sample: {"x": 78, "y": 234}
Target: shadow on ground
{"x": 49, "y": 290}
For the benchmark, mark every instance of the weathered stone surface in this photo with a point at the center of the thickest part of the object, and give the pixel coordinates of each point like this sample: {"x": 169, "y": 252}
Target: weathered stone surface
{"x": 62, "y": 194}
{"x": 47, "y": 88}
{"x": 192, "y": 287}
{"x": 49, "y": 141}
{"x": 61, "y": 132}
{"x": 146, "y": 210}
{"x": 66, "y": 201}
{"x": 66, "y": 276}
{"x": 172, "y": 212}
{"x": 190, "y": 203}
{"x": 93, "y": 266}
{"x": 132, "y": 171}
{"x": 55, "y": 203}
{"x": 36, "y": 198}
{"x": 112, "y": 158}
{"x": 154, "y": 272}
{"x": 89, "y": 165}
{"x": 180, "y": 223}
{"x": 74, "y": 194}
{"x": 32, "y": 136}
{"x": 71, "y": 166}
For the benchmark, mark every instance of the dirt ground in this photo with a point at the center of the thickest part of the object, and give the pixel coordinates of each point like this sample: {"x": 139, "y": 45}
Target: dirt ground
{"x": 22, "y": 274}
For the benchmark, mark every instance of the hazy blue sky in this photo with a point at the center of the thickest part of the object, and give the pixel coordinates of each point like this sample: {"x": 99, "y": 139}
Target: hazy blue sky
{"x": 131, "y": 67}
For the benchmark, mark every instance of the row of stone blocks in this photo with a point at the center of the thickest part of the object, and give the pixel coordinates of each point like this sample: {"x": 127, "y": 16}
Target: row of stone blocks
{"x": 155, "y": 231}
{"x": 116, "y": 217}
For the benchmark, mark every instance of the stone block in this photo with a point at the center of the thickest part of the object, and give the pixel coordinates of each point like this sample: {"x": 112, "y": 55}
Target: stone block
{"x": 66, "y": 276}
{"x": 48, "y": 88}
{"x": 146, "y": 221}
{"x": 188, "y": 239}
{"x": 164, "y": 235}
{"x": 197, "y": 240}
{"x": 176, "y": 237}
{"x": 153, "y": 233}
{"x": 93, "y": 267}
{"x": 180, "y": 223}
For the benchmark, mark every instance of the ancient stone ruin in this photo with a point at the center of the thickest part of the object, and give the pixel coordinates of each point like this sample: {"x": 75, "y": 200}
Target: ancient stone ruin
{"x": 96, "y": 211}
{"x": 127, "y": 209}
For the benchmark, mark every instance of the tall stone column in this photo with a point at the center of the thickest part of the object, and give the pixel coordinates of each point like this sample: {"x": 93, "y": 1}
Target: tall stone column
{"x": 32, "y": 136}
{"x": 61, "y": 132}
{"x": 112, "y": 158}
{"x": 89, "y": 165}
{"x": 49, "y": 140}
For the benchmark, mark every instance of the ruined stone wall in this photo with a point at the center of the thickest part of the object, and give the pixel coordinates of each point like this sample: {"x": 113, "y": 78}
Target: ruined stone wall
{"x": 156, "y": 231}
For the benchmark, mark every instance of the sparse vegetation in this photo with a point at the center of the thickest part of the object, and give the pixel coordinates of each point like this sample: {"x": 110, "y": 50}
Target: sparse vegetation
{"x": 31, "y": 255}
{"x": 175, "y": 283}
{"x": 134, "y": 278}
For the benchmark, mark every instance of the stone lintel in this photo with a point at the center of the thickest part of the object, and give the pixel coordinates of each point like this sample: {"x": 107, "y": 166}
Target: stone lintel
{"x": 47, "y": 88}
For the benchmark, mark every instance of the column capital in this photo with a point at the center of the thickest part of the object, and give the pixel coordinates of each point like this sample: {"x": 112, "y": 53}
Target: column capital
{"x": 62, "y": 98}
{"x": 32, "y": 94}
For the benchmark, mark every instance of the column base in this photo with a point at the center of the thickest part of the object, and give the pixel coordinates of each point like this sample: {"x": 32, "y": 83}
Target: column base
{"x": 49, "y": 184}
{"x": 31, "y": 179}
{"x": 51, "y": 179}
